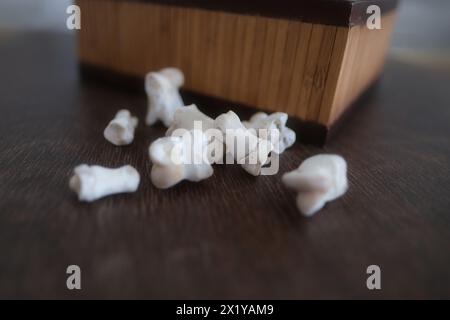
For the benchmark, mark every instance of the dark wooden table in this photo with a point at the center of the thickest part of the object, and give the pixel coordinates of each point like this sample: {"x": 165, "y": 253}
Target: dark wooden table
{"x": 233, "y": 235}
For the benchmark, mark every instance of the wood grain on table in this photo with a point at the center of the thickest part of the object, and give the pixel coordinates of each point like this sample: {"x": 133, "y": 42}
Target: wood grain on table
{"x": 233, "y": 235}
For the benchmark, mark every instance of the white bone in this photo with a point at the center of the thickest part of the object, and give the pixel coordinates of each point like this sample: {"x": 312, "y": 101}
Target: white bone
{"x": 162, "y": 90}
{"x": 318, "y": 180}
{"x": 94, "y": 182}
{"x": 247, "y": 149}
{"x": 277, "y": 121}
{"x": 179, "y": 158}
{"x": 120, "y": 131}
{"x": 185, "y": 118}
{"x": 190, "y": 118}
{"x": 174, "y": 75}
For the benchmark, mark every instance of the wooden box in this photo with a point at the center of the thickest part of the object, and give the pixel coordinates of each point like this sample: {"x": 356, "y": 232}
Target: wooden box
{"x": 311, "y": 59}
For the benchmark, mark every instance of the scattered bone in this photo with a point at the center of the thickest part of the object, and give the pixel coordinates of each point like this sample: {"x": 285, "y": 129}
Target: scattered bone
{"x": 243, "y": 144}
{"x": 277, "y": 121}
{"x": 120, "y": 131}
{"x": 164, "y": 99}
{"x": 94, "y": 182}
{"x": 190, "y": 118}
{"x": 319, "y": 179}
{"x": 178, "y": 158}
{"x": 185, "y": 118}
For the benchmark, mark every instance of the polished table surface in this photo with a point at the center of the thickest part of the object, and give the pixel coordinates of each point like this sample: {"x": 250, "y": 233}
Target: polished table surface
{"x": 233, "y": 235}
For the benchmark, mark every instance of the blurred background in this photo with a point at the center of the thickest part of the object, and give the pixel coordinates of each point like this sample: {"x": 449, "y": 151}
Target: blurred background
{"x": 421, "y": 36}
{"x": 34, "y": 14}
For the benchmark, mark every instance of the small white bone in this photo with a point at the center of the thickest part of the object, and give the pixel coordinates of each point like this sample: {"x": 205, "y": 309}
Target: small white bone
{"x": 120, "y": 131}
{"x": 318, "y": 180}
{"x": 246, "y": 148}
{"x": 277, "y": 120}
{"x": 162, "y": 90}
{"x": 179, "y": 158}
{"x": 185, "y": 118}
{"x": 174, "y": 75}
{"x": 94, "y": 182}
{"x": 190, "y": 118}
